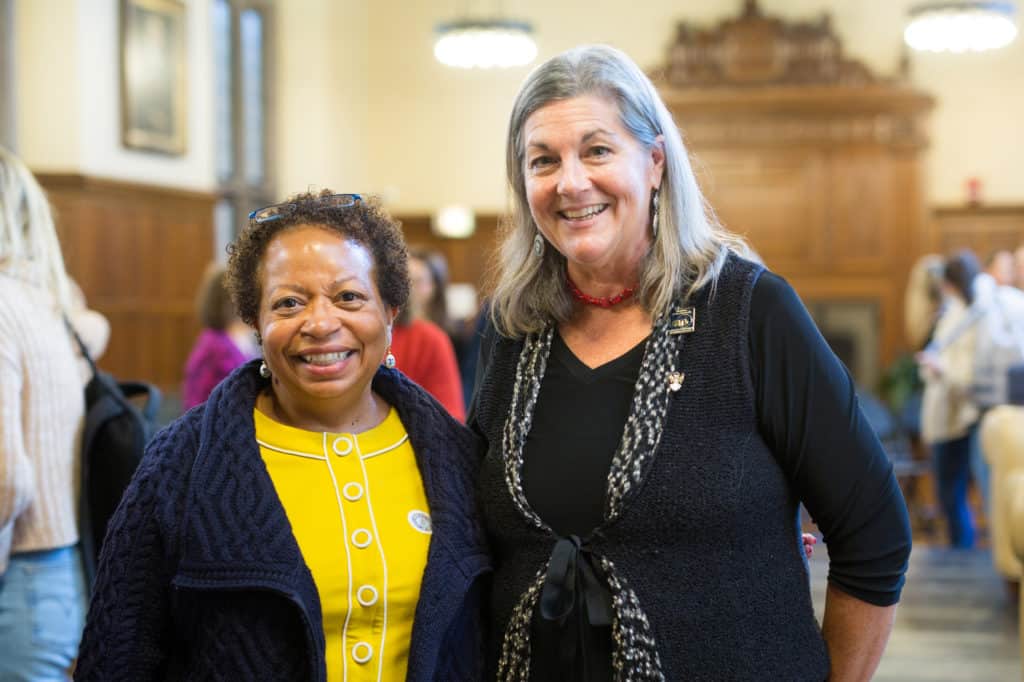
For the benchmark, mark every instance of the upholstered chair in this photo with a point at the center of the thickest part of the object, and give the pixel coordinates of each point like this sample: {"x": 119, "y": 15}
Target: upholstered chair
{"x": 1002, "y": 440}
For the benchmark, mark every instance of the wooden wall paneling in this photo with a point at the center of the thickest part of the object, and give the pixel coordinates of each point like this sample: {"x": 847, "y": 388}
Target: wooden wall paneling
{"x": 470, "y": 260}
{"x": 860, "y": 201}
{"x": 138, "y": 252}
{"x": 782, "y": 198}
{"x": 983, "y": 229}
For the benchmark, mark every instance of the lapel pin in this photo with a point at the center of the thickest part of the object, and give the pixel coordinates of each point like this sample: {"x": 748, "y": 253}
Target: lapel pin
{"x": 683, "y": 320}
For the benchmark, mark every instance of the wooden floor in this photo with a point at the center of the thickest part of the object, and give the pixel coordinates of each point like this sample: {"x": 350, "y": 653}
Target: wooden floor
{"x": 955, "y": 621}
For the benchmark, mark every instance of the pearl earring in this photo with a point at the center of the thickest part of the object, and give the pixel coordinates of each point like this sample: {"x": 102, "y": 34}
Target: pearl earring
{"x": 538, "y": 245}
{"x": 389, "y": 360}
{"x": 264, "y": 370}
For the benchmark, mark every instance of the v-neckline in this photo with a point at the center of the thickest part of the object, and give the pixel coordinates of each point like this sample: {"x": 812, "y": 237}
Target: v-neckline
{"x": 588, "y": 375}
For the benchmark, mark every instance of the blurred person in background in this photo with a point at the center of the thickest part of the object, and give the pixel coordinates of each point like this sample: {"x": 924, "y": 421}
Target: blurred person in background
{"x": 224, "y": 343}
{"x": 421, "y": 344}
{"x": 428, "y": 277}
{"x": 949, "y": 416}
{"x": 922, "y": 305}
{"x": 1000, "y": 267}
{"x": 42, "y": 409}
{"x": 923, "y": 300}
{"x": 999, "y": 310}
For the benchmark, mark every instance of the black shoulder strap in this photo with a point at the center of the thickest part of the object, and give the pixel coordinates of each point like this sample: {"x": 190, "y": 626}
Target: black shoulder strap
{"x": 81, "y": 345}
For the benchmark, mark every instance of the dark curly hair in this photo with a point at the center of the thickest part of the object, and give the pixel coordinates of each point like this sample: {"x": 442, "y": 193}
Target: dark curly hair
{"x": 364, "y": 222}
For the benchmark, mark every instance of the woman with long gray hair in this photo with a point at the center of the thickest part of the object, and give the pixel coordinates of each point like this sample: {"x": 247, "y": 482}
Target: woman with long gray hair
{"x": 656, "y": 405}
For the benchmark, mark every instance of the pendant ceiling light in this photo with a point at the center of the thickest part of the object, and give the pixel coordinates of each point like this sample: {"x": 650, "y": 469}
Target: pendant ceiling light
{"x": 485, "y": 43}
{"x": 960, "y": 26}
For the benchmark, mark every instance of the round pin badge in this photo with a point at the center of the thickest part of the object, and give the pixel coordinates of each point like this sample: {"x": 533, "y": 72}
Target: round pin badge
{"x": 420, "y": 520}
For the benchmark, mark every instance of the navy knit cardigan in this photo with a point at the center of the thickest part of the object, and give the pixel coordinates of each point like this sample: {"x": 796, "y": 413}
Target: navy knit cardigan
{"x": 201, "y": 576}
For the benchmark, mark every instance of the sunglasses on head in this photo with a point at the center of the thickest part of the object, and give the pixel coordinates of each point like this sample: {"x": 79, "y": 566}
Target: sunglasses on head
{"x": 275, "y": 211}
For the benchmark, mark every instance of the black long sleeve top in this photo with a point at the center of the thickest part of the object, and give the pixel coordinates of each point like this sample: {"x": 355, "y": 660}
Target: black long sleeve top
{"x": 807, "y": 414}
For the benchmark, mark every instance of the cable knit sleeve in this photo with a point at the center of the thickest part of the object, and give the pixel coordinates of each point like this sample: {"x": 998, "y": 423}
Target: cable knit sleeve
{"x": 809, "y": 415}
{"x": 127, "y": 632}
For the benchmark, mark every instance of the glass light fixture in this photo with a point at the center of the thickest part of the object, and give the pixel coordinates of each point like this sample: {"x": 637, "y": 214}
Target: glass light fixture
{"x": 456, "y": 222}
{"x": 960, "y": 26}
{"x": 485, "y": 43}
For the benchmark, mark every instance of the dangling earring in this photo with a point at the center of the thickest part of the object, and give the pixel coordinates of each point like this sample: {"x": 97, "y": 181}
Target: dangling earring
{"x": 389, "y": 357}
{"x": 654, "y": 214}
{"x": 538, "y": 245}
{"x": 264, "y": 370}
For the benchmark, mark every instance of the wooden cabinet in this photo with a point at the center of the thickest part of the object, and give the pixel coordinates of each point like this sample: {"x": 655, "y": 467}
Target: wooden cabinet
{"x": 984, "y": 229}
{"x": 814, "y": 159}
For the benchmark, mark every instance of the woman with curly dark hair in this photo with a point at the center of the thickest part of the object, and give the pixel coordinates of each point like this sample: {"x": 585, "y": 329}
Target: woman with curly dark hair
{"x": 314, "y": 519}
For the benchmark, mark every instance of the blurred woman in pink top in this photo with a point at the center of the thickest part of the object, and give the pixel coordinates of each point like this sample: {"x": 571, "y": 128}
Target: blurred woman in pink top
{"x": 224, "y": 343}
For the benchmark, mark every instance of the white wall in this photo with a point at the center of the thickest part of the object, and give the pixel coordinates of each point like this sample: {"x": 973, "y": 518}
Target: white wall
{"x": 46, "y": 83}
{"x": 322, "y": 75}
{"x": 978, "y": 124}
{"x": 68, "y": 86}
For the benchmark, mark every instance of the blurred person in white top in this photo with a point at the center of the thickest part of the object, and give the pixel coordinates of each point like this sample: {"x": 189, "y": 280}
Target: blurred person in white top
{"x": 949, "y": 417}
{"x": 42, "y": 588}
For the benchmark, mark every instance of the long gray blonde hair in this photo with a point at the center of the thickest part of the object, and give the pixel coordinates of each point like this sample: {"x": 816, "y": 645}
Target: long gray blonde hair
{"x": 691, "y": 246}
{"x": 28, "y": 238}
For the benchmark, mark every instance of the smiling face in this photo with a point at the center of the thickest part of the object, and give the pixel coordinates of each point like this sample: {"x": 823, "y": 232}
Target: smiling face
{"x": 589, "y": 183}
{"x": 325, "y": 328}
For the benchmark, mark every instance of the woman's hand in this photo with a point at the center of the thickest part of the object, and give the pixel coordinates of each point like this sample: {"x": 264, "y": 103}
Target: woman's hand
{"x": 930, "y": 362}
{"x": 809, "y": 542}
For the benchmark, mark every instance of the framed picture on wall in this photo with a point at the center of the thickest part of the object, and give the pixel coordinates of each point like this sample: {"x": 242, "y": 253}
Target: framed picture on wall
{"x": 153, "y": 113}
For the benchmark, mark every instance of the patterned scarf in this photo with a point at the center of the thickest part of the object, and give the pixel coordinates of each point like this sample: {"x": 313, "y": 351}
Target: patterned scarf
{"x": 635, "y": 656}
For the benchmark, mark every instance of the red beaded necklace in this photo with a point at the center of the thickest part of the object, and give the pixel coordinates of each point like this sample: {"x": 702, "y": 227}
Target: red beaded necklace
{"x": 599, "y": 301}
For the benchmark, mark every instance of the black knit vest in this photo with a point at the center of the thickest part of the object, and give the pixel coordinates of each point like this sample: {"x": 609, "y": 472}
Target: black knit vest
{"x": 711, "y": 543}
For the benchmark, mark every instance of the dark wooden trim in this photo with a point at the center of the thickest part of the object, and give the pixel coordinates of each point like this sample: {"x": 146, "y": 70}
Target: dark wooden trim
{"x": 979, "y": 210}
{"x": 88, "y": 183}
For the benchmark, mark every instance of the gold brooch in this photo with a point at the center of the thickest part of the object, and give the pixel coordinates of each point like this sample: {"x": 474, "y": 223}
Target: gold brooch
{"x": 675, "y": 381}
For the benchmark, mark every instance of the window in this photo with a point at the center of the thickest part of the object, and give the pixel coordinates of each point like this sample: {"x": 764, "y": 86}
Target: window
{"x": 243, "y": 81}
